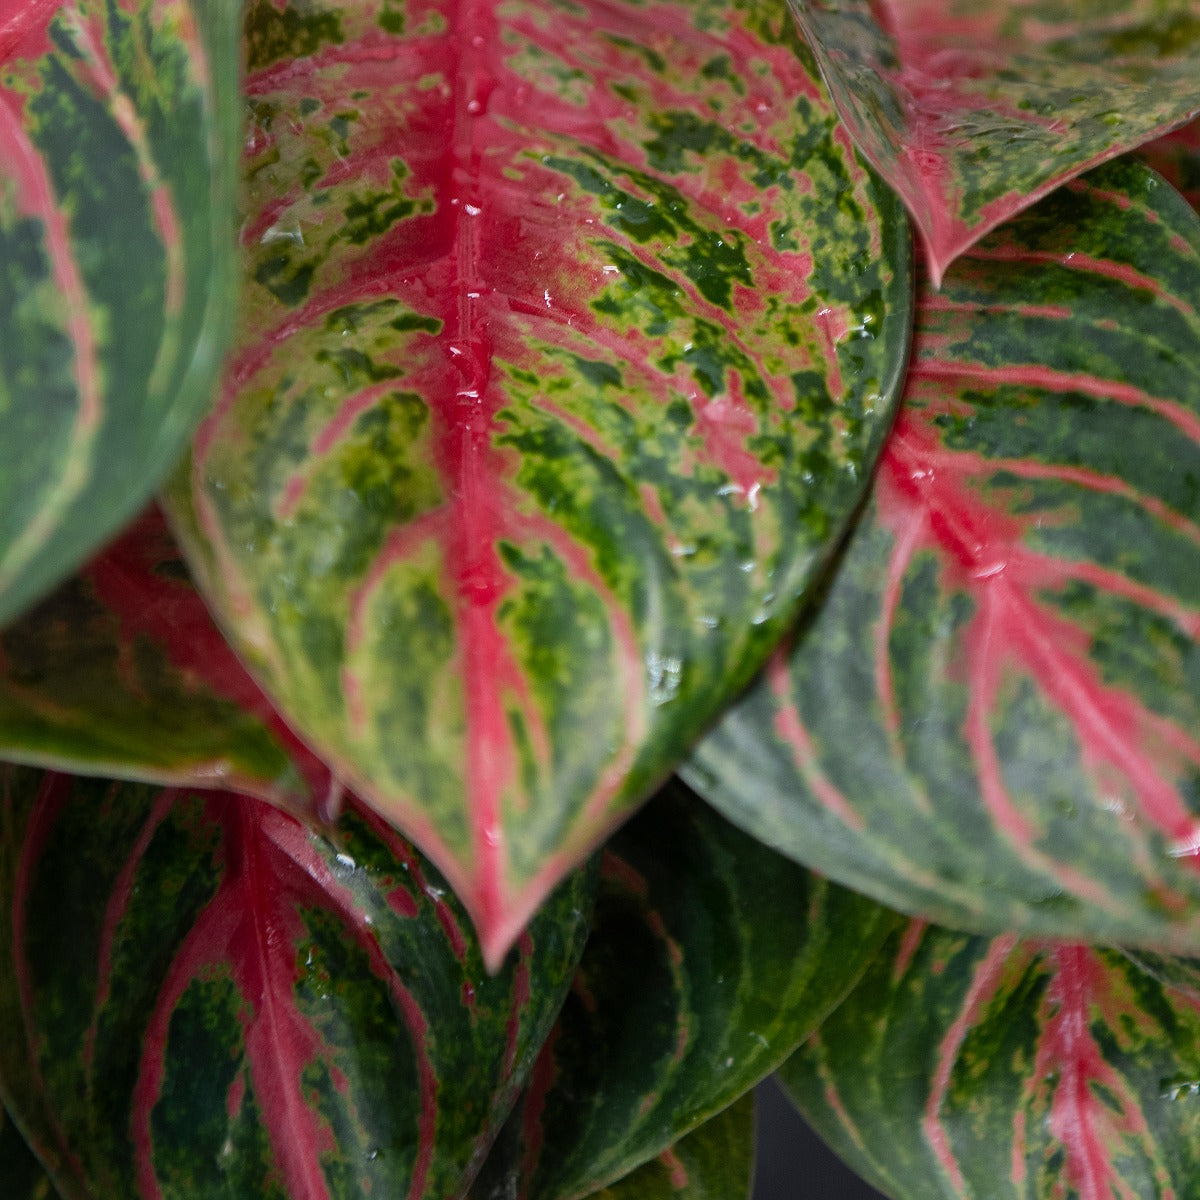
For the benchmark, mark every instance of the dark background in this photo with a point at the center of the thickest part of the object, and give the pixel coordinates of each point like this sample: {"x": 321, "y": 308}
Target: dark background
{"x": 793, "y": 1163}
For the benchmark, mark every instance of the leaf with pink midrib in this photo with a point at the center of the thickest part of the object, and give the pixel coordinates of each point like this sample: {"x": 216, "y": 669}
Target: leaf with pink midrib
{"x": 569, "y": 342}
{"x": 973, "y": 110}
{"x": 964, "y": 1066}
{"x": 991, "y": 720}
{"x": 219, "y": 999}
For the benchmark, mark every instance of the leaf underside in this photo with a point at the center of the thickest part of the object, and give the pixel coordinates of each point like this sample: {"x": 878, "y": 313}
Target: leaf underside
{"x": 118, "y": 143}
{"x": 710, "y": 959}
{"x": 201, "y": 998}
{"x": 986, "y": 1069}
{"x": 570, "y": 338}
{"x": 973, "y": 110}
{"x": 992, "y": 719}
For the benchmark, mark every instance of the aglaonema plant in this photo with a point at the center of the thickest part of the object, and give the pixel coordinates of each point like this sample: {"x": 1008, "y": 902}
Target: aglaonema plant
{"x": 540, "y": 400}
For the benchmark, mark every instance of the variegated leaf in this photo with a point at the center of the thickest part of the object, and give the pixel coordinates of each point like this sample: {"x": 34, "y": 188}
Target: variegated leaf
{"x": 972, "y": 1068}
{"x": 974, "y": 109}
{"x": 1176, "y": 157}
{"x": 710, "y": 959}
{"x": 118, "y": 151}
{"x": 993, "y": 720}
{"x": 716, "y": 1162}
{"x": 22, "y": 1177}
{"x": 201, "y": 998}
{"x": 571, "y": 335}
{"x": 121, "y": 672}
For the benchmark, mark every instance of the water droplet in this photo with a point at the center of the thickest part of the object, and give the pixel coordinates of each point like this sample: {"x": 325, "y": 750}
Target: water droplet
{"x": 474, "y": 107}
{"x": 344, "y": 860}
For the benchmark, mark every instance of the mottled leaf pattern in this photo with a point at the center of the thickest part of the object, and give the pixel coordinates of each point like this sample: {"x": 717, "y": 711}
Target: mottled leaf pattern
{"x": 986, "y": 1069}
{"x": 974, "y": 109}
{"x": 122, "y": 672}
{"x": 200, "y": 998}
{"x": 21, "y": 1175}
{"x": 993, "y": 718}
{"x": 710, "y": 958}
{"x": 716, "y": 1162}
{"x": 571, "y": 332}
{"x": 118, "y": 145}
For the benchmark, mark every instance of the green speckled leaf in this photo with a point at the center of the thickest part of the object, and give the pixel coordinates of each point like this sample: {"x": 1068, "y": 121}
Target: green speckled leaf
{"x": 201, "y": 999}
{"x": 969, "y": 1068}
{"x": 121, "y": 672}
{"x": 974, "y": 109}
{"x": 716, "y": 1162}
{"x": 994, "y": 718}
{"x": 571, "y": 333}
{"x": 710, "y": 958}
{"x": 22, "y": 1177}
{"x": 118, "y": 147}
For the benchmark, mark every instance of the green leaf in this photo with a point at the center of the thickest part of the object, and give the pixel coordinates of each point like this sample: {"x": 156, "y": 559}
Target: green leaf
{"x": 986, "y": 1069}
{"x": 121, "y": 672}
{"x": 716, "y": 1162}
{"x": 992, "y": 719}
{"x": 202, "y": 999}
{"x": 972, "y": 109}
{"x": 710, "y": 959}
{"x": 571, "y": 334}
{"x": 119, "y": 131}
{"x": 1176, "y": 157}
{"x": 22, "y": 1177}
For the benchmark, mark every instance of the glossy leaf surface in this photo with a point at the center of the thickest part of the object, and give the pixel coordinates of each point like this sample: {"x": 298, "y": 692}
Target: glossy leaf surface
{"x": 118, "y": 146}
{"x": 967, "y": 1067}
{"x": 1176, "y": 157}
{"x": 973, "y": 109}
{"x": 121, "y": 672}
{"x": 711, "y": 958}
{"x": 716, "y": 1162}
{"x": 200, "y": 998}
{"x": 571, "y": 336}
{"x": 992, "y": 720}
{"x": 21, "y": 1175}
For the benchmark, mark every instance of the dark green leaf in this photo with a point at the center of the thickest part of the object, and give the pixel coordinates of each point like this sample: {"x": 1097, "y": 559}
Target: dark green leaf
{"x": 119, "y": 134}
{"x": 22, "y": 1177}
{"x": 716, "y": 1162}
{"x": 711, "y": 957}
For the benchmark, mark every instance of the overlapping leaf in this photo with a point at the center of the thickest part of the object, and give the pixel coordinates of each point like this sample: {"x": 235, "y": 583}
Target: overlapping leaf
{"x": 973, "y": 109}
{"x": 571, "y": 335}
{"x": 122, "y": 672}
{"x": 716, "y": 1162}
{"x": 118, "y": 150}
{"x": 710, "y": 958}
{"x": 201, "y": 998}
{"x": 21, "y": 1175}
{"x": 967, "y": 1067}
{"x": 1176, "y": 157}
{"x": 992, "y": 719}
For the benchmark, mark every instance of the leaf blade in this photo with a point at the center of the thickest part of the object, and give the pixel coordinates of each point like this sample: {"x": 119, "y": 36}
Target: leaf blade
{"x": 118, "y": 140}
{"x": 987, "y": 723}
